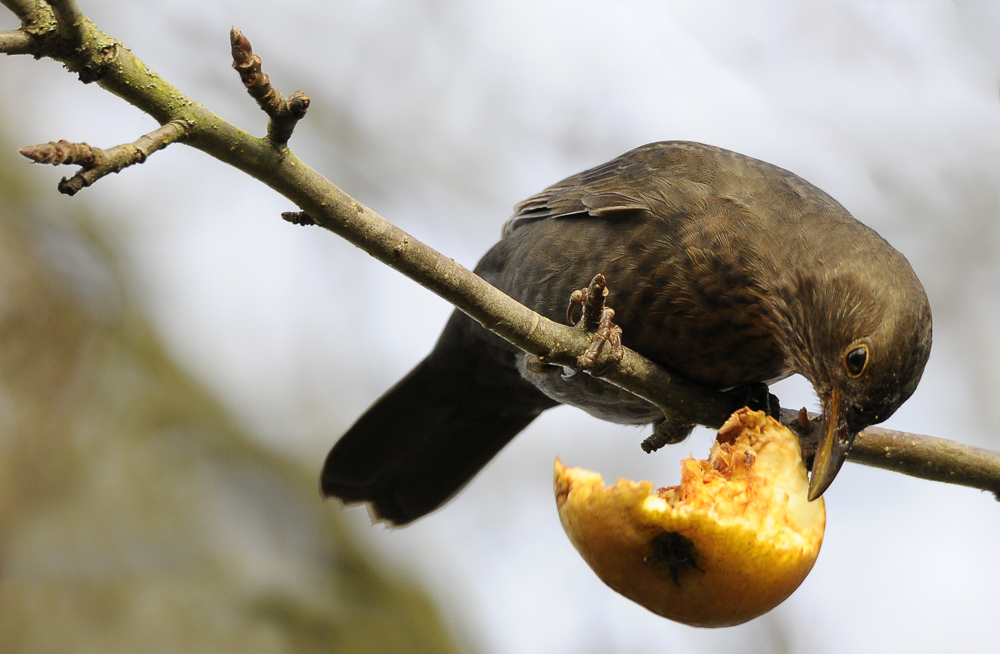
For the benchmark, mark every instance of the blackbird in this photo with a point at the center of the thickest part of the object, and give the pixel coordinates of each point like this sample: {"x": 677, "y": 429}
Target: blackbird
{"x": 722, "y": 268}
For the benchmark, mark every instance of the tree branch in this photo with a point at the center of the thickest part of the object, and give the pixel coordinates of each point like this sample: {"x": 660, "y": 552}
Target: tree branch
{"x": 283, "y": 113}
{"x": 20, "y": 8}
{"x": 69, "y": 20}
{"x": 927, "y": 457}
{"x": 17, "y": 42}
{"x": 97, "y": 163}
{"x": 101, "y": 59}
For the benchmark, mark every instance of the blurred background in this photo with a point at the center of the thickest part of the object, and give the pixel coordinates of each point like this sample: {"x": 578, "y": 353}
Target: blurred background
{"x": 175, "y": 360}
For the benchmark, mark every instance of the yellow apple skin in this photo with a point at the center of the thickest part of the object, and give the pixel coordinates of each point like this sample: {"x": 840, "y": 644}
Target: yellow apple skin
{"x": 733, "y": 541}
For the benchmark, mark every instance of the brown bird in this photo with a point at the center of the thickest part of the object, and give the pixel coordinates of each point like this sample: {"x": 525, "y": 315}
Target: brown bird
{"x": 724, "y": 269}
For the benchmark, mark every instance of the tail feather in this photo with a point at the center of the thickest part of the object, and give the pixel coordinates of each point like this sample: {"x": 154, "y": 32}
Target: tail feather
{"x": 433, "y": 431}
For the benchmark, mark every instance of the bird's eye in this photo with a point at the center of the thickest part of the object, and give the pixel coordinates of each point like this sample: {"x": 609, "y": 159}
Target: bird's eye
{"x": 856, "y": 360}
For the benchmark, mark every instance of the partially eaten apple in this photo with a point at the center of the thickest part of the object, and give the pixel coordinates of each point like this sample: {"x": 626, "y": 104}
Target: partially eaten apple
{"x": 731, "y": 542}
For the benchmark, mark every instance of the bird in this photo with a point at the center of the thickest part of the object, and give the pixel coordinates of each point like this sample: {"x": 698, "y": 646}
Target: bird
{"x": 722, "y": 268}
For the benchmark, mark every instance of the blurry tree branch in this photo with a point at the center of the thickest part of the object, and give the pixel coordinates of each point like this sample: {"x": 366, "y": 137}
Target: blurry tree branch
{"x": 59, "y": 31}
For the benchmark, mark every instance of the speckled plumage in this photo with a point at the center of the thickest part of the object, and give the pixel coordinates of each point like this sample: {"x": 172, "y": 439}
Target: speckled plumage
{"x": 722, "y": 268}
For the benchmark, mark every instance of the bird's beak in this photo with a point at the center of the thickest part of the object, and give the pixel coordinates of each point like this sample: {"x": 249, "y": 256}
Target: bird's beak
{"x": 834, "y": 442}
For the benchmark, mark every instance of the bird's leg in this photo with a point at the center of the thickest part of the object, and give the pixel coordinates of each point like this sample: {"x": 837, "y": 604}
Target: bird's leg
{"x": 598, "y": 397}
{"x": 756, "y": 396}
{"x": 592, "y": 300}
{"x": 598, "y": 360}
{"x": 605, "y": 349}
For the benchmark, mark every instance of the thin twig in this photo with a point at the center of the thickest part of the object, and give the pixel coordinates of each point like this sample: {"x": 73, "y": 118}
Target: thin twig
{"x": 95, "y": 162}
{"x": 283, "y": 113}
{"x": 17, "y": 42}
{"x": 69, "y": 20}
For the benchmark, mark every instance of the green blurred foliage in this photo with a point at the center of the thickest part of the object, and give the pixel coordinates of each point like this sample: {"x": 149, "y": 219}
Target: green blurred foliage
{"x": 134, "y": 515}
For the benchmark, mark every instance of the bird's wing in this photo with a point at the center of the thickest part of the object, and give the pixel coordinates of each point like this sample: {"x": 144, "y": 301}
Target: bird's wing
{"x": 679, "y": 178}
{"x": 672, "y": 172}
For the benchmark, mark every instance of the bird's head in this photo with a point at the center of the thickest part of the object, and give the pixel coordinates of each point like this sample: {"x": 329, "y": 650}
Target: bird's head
{"x": 862, "y": 339}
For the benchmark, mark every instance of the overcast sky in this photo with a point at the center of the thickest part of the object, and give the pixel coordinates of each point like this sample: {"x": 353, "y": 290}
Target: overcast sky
{"x": 441, "y": 115}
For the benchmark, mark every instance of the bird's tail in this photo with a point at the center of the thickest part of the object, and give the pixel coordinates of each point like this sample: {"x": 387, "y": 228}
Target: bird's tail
{"x": 422, "y": 441}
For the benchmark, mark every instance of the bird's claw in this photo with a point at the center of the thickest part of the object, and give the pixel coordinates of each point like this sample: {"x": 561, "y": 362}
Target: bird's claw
{"x": 578, "y": 298}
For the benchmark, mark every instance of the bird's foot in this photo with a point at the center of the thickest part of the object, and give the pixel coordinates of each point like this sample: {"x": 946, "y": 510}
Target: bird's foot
{"x": 666, "y": 432}
{"x": 756, "y": 396}
{"x": 606, "y": 350}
